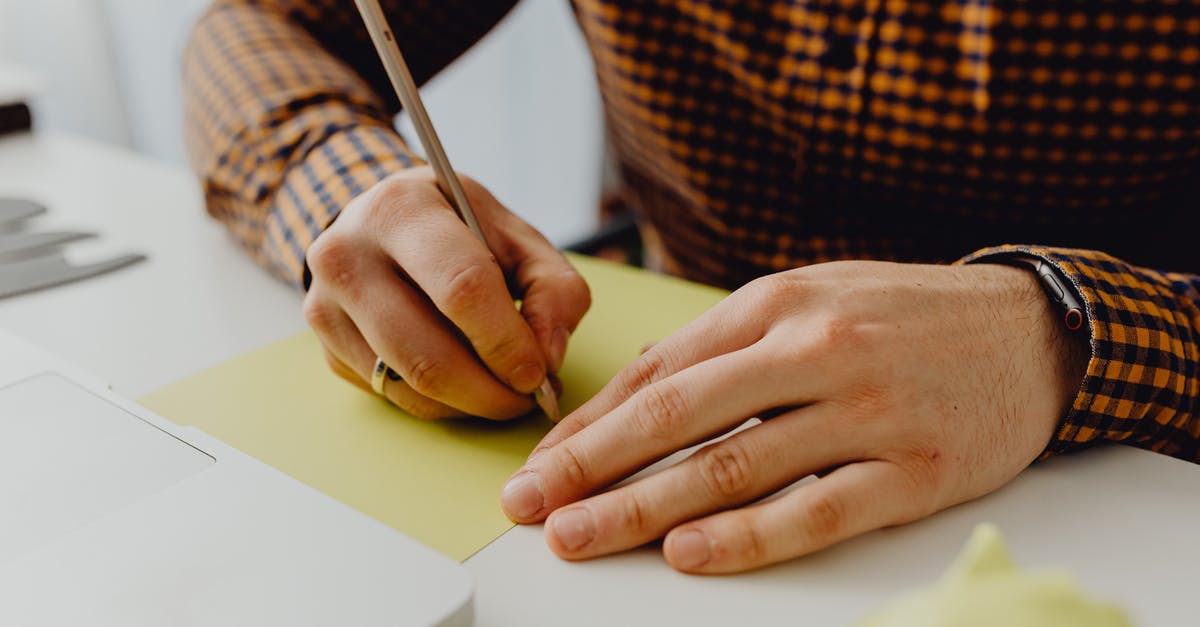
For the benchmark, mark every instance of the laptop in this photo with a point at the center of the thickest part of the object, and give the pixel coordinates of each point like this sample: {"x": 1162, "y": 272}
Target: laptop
{"x": 111, "y": 515}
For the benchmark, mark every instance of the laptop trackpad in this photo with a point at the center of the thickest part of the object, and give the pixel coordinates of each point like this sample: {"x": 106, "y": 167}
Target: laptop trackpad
{"x": 68, "y": 457}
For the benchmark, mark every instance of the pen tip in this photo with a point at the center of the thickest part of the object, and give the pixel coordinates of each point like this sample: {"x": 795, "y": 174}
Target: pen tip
{"x": 547, "y": 401}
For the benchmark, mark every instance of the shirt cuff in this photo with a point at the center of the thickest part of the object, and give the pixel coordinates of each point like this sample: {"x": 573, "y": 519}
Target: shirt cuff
{"x": 344, "y": 164}
{"x": 1133, "y": 384}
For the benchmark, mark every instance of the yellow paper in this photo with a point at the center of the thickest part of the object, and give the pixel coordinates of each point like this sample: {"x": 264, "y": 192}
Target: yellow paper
{"x": 437, "y": 482}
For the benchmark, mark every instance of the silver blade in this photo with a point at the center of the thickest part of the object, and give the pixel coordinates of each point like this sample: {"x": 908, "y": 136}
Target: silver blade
{"x": 35, "y": 274}
{"x": 29, "y": 242}
{"x": 16, "y": 209}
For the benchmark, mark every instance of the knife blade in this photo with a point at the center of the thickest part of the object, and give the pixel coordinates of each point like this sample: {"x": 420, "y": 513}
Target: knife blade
{"x": 21, "y": 243}
{"x": 42, "y": 272}
{"x": 17, "y": 209}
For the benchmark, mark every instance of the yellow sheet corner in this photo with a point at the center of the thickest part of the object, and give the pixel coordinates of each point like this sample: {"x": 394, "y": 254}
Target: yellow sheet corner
{"x": 437, "y": 482}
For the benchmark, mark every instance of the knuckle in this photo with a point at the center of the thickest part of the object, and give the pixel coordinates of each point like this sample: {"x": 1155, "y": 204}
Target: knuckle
{"x": 426, "y": 376}
{"x": 664, "y": 411}
{"x": 837, "y": 335}
{"x": 646, "y": 369}
{"x": 923, "y": 466}
{"x": 318, "y": 315}
{"x": 399, "y": 192}
{"x": 725, "y": 469}
{"x": 331, "y": 258}
{"x": 769, "y": 286}
{"x": 751, "y": 544}
{"x": 826, "y": 518}
{"x": 635, "y": 513}
{"x": 775, "y": 290}
{"x": 399, "y": 199}
{"x": 465, "y": 289}
{"x": 570, "y": 464}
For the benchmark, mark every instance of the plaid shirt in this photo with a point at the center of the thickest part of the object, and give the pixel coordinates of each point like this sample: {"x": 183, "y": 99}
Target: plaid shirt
{"x": 760, "y": 135}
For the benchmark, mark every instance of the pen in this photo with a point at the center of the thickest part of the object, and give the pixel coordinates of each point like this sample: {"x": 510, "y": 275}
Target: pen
{"x": 447, "y": 181}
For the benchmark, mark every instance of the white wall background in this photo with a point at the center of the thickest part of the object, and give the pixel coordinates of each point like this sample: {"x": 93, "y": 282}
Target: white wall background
{"x": 519, "y": 112}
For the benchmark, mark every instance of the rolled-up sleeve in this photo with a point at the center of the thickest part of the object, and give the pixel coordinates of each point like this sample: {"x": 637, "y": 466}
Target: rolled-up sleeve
{"x": 1142, "y": 384}
{"x": 289, "y": 116}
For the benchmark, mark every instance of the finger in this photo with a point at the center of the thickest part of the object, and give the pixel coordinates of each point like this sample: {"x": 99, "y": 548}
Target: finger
{"x": 851, "y": 500}
{"x": 554, "y": 296}
{"x": 343, "y": 344}
{"x": 399, "y": 325}
{"x": 464, "y": 282}
{"x": 398, "y": 393}
{"x": 412, "y": 338}
{"x": 729, "y": 326}
{"x": 684, "y": 409}
{"x": 340, "y": 368}
{"x": 746, "y": 466}
{"x": 340, "y": 339}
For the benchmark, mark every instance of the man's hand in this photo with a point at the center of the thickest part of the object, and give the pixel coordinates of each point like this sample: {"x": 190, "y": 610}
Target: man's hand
{"x": 908, "y": 388}
{"x": 400, "y": 276}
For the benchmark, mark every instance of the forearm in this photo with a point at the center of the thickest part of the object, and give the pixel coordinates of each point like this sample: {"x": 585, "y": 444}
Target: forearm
{"x": 1142, "y": 383}
{"x": 289, "y": 117}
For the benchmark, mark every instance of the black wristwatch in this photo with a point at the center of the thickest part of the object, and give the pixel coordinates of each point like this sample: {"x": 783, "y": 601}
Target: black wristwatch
{"x": 1053, "y": 283}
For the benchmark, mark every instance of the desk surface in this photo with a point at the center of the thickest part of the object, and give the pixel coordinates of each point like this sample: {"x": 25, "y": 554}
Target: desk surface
{"x": 1124, "y": 520}
{"x": 198, "y": 300}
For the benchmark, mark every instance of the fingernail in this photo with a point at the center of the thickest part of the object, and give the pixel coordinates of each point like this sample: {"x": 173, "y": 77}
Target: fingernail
{"x": 527, "y": 377}
{"x": 558, "y": 348}
{"x": 522, "y": 496}
{"x": 574, "y": 528}
{"x": 691, "y": 548}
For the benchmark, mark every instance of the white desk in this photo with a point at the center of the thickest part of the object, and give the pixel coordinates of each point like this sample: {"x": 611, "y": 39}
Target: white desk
{"x": 1126, "y": 521}
{"x": 195, "y": 303}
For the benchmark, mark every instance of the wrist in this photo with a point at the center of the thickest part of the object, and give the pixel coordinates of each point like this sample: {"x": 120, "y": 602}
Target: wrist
{"x": 1058, "y": 339}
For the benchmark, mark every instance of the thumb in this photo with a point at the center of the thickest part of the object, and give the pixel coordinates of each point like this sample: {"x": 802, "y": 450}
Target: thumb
{"x": 555, "y": 296}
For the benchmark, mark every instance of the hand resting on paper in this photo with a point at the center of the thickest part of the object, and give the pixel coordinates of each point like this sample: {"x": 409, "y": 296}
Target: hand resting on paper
{"x": 398, "y": 275}
{"x": 909, "y": 388}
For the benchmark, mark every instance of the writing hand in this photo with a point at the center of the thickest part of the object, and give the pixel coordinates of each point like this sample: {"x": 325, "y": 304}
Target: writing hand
{"x": 399, "y": 276}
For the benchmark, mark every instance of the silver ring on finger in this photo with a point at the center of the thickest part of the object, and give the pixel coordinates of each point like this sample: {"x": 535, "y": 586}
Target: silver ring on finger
{"x": 380, "y": 374}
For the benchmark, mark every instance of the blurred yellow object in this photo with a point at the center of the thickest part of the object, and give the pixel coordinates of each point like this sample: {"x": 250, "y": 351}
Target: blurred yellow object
{"x": 438, "y": 482}
{"x": 983, "y": 588}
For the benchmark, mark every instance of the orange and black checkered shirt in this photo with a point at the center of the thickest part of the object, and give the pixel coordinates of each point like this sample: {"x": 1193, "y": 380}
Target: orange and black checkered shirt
{"x": 760, "y": 135}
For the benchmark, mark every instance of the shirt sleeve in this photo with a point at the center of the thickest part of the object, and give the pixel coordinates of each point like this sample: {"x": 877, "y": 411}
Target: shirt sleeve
{"x": 289, "y": 115}
{"x": 1142, "y": 384}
